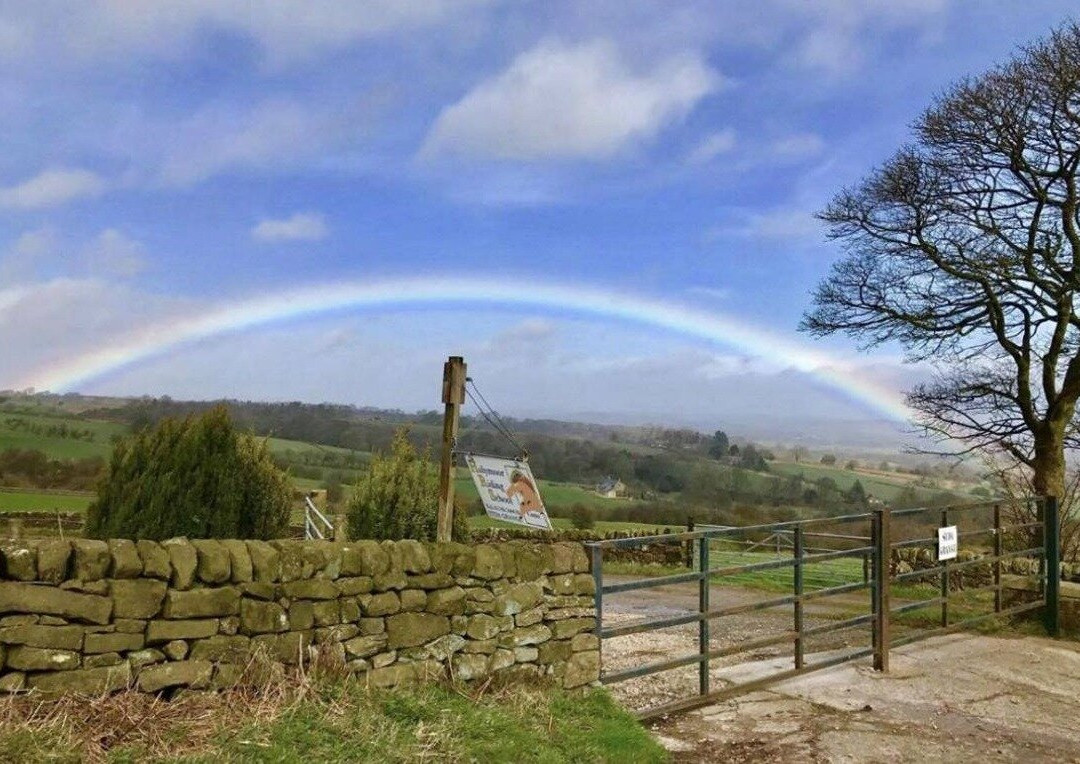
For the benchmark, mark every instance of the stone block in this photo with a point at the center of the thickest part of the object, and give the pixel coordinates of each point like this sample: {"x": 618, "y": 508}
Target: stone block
{"x": 529, "y": 617}
{"x": 412, "y": 629}
{"x": 166, "y": 631}
{"x": 327, "y": 613}
{"x": 584, "y": 583}
{"x": 301, "y": 615}
{"x": 385, "y": 603}
{"x": 145, "y": 657}
{"x": 240, "y": 567}
{"x": 530, "y": 635}
{"x": 213, "y": 565}
{"x": 446, "y": 601}
{"x": 89, "y": 681}
{"x": 394, "y": 578}
{"x": 353, "y": 586}
{"x": 429, "y": 581}
{"x": 265, "y": 562}
{"x": 585, "y": 641}
{"x": 155, "y": 560}
{"x": 502, "y": 659}
{"x": 101, "y": 659}
{"x": 509, "y": 561}
{"x": 349, "y": 610}
{"x": 222, "y": 649}
{"x": 533, "y": 561}
{"x": 257, "y": 617}
{"x": 582, "y": 668}
{"x": 13, "y": 681}
{"x": 229, "y": 625}
{"x": 53, "y": 559}
{"x": 26, "y": 658}
{"x": 442, "y": 648}
{"x": 126, "y": 562}
{"x": 292, "y": 560}
{"x": 518, "y": 597}
{"x": 571, "y": 626}
{"x": 561, "y": 584}
{"x": 485, "y": 646}
{"x": 202, "y": 603}
{"x": 176, "y": 650}
{"x": 337, "y": 633}
{"x": 413, "y": 600}
{"x": 488, "y": 564}
{"x": 525, "y": 654}
{"x": 285, "y": 648}
{"x": 137, "y": 597}
{"x": 483, "y": 627}
{"x": 374, "y": 558}
{"x": 562, "y": 558}
{"x": 414, "y": 557}
{"x": 184, "y": 561}
{"x": 372, "y": 625}
{"x": 19, "y": 597}
{"x": 363, "y": 647}
{"x": 260, "y": 590}
{"x": 92, "y": 559}
{"x": 196, "y": 674}
{"x": 310, "y": 589}
{"x": 130, "y": 625}
{"x": 35, "y": 635}
{"x": 85, "y": 587}
{"x": 554, "y": 651}
{"x": 468, "y": 666}
{"x": 117, "y": 642}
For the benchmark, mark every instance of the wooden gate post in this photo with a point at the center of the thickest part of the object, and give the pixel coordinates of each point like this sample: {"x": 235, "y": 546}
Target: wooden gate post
{"x": 882, "y": 554}
{"x": 453, "y": 395}
{"x": 1052, "y": 555}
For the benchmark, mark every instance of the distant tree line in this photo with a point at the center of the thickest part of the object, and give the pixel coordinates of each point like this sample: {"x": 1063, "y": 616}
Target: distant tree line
{"x": 25, "y": 468}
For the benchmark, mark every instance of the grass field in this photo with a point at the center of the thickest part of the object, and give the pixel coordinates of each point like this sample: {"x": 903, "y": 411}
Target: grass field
{"x": 874, "y": 484}
{"x": 13, "y": 436}
{"x": 330, "y": 722}
{"x": 554, "y": 494}
{"x": 43, "y": 501}
{"x": 560, "y": 523}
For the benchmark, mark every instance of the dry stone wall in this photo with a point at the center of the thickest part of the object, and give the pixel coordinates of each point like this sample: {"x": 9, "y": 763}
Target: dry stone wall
{"x": 95, "y": 616}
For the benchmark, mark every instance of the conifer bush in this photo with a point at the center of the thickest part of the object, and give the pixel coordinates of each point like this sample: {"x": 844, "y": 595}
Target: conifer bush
{"x": 197, "y": 477}
{"x": 398, "y": 498}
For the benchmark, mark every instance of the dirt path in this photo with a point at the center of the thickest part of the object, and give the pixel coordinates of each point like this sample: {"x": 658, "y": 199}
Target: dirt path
{"x": 958, "y": 698}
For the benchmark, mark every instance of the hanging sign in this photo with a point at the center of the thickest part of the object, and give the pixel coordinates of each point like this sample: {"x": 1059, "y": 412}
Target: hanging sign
{"x": 947, "y": 542}
{"x": 508, "y": 490}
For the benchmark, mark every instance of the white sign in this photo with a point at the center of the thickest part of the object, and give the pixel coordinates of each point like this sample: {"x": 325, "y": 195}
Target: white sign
{"x": 947, "y": 542}
{"x": 508, "y": 490}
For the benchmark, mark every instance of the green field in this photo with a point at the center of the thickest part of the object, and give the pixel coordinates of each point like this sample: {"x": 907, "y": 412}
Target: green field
{"x": 43, "y": 501}
{"x": 561, "y": 523}
{"x": 882, "y": 488}
{"x": 554, "y": 494}
{"x": 12, "y": 435}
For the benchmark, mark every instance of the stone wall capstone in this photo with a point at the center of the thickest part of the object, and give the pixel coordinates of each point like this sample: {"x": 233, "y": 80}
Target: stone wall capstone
{"x": 99, "y": 616}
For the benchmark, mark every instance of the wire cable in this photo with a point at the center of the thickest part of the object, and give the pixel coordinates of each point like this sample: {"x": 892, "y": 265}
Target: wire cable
{"x": 492, "y": 417}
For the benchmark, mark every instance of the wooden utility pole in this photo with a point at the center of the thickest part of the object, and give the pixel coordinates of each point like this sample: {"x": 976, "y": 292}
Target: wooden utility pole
{"x": 453, "y": 396}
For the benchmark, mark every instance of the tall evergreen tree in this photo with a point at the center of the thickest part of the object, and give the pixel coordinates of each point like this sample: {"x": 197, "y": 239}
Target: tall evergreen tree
{"x": 196, "y": 477}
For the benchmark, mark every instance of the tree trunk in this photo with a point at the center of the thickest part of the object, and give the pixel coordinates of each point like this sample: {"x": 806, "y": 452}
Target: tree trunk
{"x": 1049, "y": 466}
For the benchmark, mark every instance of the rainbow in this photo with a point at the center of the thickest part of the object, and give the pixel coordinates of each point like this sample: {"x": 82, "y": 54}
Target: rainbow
{"x": 154, "y": 340}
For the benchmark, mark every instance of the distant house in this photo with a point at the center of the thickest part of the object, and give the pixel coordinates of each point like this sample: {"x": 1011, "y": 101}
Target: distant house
{"x": 611, "y": 488}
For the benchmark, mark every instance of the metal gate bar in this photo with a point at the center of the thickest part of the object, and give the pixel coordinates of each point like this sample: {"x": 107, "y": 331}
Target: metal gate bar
{"x": 877, "y": 578}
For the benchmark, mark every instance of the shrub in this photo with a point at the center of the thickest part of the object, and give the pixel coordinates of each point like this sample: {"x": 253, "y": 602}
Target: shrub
{"x": 582, "y": 518}
{"x": 196, "y": 477}
{"x": 398, "y": 498}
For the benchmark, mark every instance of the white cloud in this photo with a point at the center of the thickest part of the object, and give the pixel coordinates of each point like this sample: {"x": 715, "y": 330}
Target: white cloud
{"x": 52, "y": 187}
{"x": 559, "y": 101}
{"x": 112, "y": 253}
{"x": 797, "y": 146}
{"x": 713, "y": 146}
{"x": 302, "y": 226}
{"x": 23, "y": 259}
{"x": 283, "y": 31}
{"x": 780, "y": 224}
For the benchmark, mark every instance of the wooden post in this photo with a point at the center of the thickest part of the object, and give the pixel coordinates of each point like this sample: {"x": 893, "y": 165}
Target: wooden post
{"x": 453, "y": 396}
{"x": 797, "y": 581}
{"x": 882, "y": 561}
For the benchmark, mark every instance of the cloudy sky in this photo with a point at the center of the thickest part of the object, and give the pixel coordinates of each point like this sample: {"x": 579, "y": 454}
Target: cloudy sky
{"x": 168, "y": 161}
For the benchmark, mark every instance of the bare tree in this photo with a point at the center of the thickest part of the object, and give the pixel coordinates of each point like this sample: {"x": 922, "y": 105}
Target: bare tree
{"x": 964, "y": 248}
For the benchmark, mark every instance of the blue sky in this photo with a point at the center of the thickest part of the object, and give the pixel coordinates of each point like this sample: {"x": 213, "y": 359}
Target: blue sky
{"x": 164, "y": 159}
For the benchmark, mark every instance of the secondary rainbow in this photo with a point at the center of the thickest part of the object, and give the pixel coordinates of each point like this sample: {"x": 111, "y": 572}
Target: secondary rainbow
{"x": 236, "y": 316}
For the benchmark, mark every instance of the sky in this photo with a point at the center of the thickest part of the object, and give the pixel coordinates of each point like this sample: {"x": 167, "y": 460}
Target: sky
{"x": 185, "y": 186}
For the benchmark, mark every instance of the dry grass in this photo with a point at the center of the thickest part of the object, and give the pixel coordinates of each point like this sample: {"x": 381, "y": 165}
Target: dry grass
{"x": 315, "y": 712}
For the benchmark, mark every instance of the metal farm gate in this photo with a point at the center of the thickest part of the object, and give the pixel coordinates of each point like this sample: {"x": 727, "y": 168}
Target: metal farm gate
{"x": 888, "y": 554}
